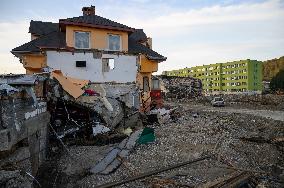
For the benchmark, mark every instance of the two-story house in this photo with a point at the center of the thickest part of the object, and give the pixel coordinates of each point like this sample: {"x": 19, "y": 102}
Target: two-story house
{"x": 93, "y": 48}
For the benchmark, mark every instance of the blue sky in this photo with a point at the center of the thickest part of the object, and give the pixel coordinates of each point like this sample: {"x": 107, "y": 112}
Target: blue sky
{"x": 189, "y": 33}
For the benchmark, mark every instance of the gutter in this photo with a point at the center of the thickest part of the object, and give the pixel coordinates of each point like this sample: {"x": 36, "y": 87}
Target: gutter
{"x": 156, "y": 58}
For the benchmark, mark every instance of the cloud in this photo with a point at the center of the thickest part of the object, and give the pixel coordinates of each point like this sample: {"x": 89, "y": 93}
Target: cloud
{"x": 187, "y": 36}
{"x": 216, "y": 33}
{"x": 176, "y": 21}
{"x": 12, "y": 35}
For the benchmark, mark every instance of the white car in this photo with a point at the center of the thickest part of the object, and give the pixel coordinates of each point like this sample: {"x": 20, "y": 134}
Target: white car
{"x": 218, "y": 101}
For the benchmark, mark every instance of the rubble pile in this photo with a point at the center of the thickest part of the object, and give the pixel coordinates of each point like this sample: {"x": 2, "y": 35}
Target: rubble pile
{"x": 103, "y": 108}
{"x": 15, "y": 179}
{"x": 97, "y": 135}
{"x": 252, "y": 101}
{"x": 196, "y": 134}
{"x": 180, "y": 87}
{"x": 267, "y": 99}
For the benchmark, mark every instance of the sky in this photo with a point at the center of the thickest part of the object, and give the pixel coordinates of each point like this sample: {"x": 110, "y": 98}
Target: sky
{"x": 187, "y": 32}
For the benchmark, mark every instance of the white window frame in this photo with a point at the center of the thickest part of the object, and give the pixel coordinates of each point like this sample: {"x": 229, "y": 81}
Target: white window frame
{"x": 74, "y": 37}
{"x": 120, "y": 42}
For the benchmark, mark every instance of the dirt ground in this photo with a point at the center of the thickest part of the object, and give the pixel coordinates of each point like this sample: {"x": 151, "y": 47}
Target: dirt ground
{"x": 262, "y": 111}
{"x": 239, "y": 141}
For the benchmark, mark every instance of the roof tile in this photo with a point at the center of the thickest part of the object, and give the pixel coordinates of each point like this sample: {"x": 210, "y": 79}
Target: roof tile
{"x": 51, "y": 40}
{"x": 42, "y": 28}
{"x": 95, "y": 20}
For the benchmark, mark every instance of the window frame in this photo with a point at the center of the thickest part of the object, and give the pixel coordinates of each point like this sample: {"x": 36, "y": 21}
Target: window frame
{"x": 120, "y": 42}
{"x": 108, "y": 66}
{"x": 82, "y": 32}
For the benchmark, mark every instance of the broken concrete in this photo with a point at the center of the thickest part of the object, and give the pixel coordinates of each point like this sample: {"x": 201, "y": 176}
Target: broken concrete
{"x": 114, "y": 158}
{"x": 24, "y": 118}
{"x": 184, "y": 133}
{"x": 14, "y": 179}
{"x": 111, "y": 106}
{"x": 190, "y": 137}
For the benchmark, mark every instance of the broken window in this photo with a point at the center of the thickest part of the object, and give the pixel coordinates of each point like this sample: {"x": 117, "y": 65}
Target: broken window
{"x": 107, "y": 64}
{"x": 82, "y": 40}
{"x": 146, "y": 84}
{"x": 114, "y": 42}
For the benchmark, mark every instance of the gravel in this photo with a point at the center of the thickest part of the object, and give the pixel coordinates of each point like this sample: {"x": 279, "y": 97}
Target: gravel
{"x": 195, "y": 133}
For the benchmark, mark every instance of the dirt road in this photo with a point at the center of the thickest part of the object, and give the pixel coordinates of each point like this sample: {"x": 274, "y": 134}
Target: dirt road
{"x": 275, "y": 115}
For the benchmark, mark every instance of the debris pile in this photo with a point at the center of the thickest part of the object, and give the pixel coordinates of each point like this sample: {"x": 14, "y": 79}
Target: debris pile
{"x": 89, "y": 109}
{"x": 181, "y": 87}
{"x": 271, "y": 101}
{"x": 15, "y": 179}
{"x": 99, "y": 137}
{"x": 235, "y": 161}
{"x": 162, "y": 115}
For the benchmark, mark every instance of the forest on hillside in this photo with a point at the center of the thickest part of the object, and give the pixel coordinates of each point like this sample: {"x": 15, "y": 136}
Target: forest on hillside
{"x": 272, "y": 67}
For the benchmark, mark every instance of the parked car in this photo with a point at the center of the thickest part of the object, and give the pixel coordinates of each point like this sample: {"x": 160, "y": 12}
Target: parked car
{"x": 218, "y": 101}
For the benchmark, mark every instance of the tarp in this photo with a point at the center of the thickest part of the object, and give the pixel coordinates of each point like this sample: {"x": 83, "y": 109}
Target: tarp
{"x": 147, "y": 136}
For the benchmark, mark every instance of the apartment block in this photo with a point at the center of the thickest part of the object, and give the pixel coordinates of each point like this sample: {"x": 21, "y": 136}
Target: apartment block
{"x": 236, "y": 76}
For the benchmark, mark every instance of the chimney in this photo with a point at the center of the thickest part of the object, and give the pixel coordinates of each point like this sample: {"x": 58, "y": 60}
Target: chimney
{"x": 89, "y": 10}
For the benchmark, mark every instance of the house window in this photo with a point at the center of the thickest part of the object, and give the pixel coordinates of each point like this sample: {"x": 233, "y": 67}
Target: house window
{"x": 82, "y": 40}
{"x": 107, "y": 64}
{"x": 114, "y": 42}
{"x": 146, "y": 84}
{"x": 80, "y": 63}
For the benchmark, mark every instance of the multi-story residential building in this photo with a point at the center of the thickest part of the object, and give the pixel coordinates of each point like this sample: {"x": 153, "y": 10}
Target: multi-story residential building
{"x": 236, "y": 76}
{"x": 93, "y": 48}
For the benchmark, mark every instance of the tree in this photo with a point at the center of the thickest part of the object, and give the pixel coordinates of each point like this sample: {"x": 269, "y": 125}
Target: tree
{"x": 277, "y": 82}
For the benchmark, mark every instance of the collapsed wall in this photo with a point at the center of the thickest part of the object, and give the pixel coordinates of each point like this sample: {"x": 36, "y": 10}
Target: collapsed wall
{"x": 98, "y": 108}
{"x": 37, "y": 109}
{"x": 23, "y": 123}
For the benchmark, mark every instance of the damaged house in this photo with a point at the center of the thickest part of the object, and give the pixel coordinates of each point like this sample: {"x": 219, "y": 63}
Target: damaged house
{"x": 93, "y": 48}
{"x": 94, "y": 76}
{"x": 100, "y": 70}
